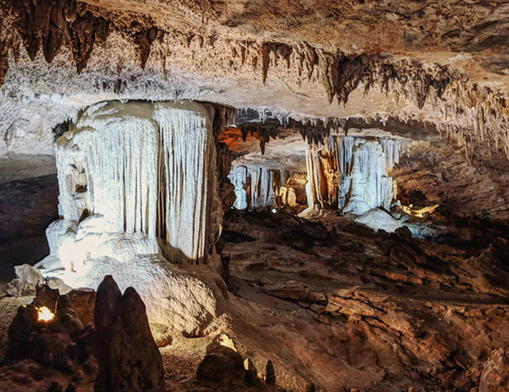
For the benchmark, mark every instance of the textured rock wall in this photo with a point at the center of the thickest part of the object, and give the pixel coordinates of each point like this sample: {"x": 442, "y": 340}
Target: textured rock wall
{"x": 437, "y": 173}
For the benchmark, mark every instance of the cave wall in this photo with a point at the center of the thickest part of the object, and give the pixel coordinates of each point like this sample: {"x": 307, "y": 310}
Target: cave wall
{"x": 437, "y": 172}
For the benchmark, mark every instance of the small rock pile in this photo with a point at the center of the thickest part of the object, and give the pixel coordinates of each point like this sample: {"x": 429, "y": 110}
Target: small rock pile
{"x": 225, "y": 367}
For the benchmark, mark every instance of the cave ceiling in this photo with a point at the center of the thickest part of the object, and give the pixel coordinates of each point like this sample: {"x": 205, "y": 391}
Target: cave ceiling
{"x": 443, "y": 63}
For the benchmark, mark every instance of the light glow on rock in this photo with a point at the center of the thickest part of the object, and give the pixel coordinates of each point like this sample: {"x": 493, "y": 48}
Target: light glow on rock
{"x": 224, "y": 340}
{"x": 419, "y": 212}
{"x": 44, "y": 314}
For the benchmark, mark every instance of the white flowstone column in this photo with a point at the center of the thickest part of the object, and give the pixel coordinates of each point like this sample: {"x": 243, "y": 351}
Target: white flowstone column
{"x": 142, "y": 168}
{"x": 363, "y": 164}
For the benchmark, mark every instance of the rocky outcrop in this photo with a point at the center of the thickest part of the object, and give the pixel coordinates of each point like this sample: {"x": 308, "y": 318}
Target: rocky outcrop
{"x": 435, "y": 173}
{"x": 26, "y": 281}
{"x": 373, "y": 304}
{"x": 223, "y": 366}
{"x": 127, "y": 356}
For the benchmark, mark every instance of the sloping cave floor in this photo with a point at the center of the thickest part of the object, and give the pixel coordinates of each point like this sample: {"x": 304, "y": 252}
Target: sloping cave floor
{"x": 28, "y": 204}
{"x": 333, "y": 303}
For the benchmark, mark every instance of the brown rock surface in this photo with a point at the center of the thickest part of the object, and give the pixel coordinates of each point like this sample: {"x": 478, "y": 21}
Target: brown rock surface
{"x": 495, "y": 376}
{"x": 221, "y": 365}
{"x": 126, "y": 353}
{"x": 426, "y": 330}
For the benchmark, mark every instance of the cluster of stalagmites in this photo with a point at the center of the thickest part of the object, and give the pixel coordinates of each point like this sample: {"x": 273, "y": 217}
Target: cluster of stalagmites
{"x": 104, "y": 338}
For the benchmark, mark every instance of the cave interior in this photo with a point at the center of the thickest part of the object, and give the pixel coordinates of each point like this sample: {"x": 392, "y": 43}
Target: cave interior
{"x": 241, "y": 195}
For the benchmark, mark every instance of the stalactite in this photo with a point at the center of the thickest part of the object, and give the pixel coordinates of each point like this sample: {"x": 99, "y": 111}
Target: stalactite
{"x": 4, "y": 61}
{"x": 474, "y": 109}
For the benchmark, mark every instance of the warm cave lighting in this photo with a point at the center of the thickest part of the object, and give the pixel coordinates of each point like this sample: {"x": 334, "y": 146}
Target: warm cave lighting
{"x": 419, "y": 213}
{"x": 224, "y": 340}
{"x": 44, "y": 314}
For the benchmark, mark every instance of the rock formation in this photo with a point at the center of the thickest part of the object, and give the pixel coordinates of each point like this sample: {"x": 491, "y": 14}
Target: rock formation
{"x": 257, "y": 187}
{"x": 54, "y": 347}
{"x": 130, "y": 201}
{"x": 127, "y": 356}
{"x": 134, "y": 180}
{"x": 351, "y": 173}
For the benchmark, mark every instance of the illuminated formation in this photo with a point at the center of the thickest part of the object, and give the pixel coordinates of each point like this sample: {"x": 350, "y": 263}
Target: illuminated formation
{"x": 352, "y": 172}
{"x": 144, "y": 169}
{"x": 137, "y": 188}
{"x": 257, "y": 186}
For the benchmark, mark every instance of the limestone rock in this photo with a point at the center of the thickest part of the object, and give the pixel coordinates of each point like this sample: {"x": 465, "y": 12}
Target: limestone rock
{"x": 127, "y": 356}
{"x": 68, "y": 316}
{"x": 495, "y": 376}
{"x": 221, "y": 365}
{"x": 161, "y": 334}
{"x": 18, "y": 346}
{"x": 350, "y": 306}
{"x": 26, "y": 281}
{"x": 251, "y": 374}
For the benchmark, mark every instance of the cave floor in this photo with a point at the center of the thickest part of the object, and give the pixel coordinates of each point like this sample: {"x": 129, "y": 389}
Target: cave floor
{"x": 349, "y": 308}
{"x": 343, "y": 307}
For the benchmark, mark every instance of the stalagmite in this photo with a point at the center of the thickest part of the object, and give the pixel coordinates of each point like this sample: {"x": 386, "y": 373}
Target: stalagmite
{"x": 238, "y": 177}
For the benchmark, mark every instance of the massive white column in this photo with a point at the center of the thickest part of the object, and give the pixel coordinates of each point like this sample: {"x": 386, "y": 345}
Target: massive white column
{"x": 138, "y": 188}
{"x": 137, "y": 168}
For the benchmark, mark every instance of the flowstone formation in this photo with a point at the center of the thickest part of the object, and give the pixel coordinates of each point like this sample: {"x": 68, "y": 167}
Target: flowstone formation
{"x": 351, "y": 172}
{"x": 137, "y": 190}
{"x": 257, "y": 186}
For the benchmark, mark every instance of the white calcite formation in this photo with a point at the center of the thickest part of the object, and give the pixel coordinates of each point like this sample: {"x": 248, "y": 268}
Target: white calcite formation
{"x": 138, "y": 188}
{"x": 238, "y": 178}
{"x": 142, "y": 168}
{"x": 362, "y": 163}
{"x": 257, "y": 186}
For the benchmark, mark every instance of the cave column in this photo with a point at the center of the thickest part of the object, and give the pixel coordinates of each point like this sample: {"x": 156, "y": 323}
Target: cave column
{"x": 141, "y": 170}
